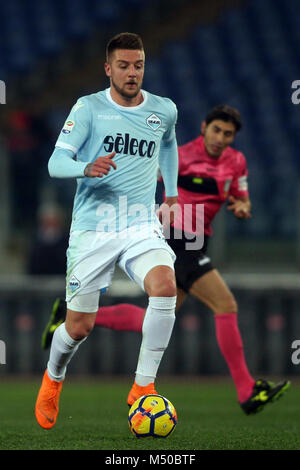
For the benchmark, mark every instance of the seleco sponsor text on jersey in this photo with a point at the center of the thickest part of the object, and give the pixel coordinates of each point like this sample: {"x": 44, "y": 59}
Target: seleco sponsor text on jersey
{"x": 127, "y": 144}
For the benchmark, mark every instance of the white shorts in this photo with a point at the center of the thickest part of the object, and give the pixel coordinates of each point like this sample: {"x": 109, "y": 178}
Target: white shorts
{"x": 92, "y": 257}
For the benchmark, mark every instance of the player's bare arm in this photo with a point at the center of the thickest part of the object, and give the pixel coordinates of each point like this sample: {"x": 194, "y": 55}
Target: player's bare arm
{"x": 101, "y": 166}
{"x": 241, "y": 207}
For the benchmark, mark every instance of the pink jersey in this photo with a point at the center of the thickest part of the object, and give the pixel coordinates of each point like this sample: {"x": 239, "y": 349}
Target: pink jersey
{"x": 207, "y": 181}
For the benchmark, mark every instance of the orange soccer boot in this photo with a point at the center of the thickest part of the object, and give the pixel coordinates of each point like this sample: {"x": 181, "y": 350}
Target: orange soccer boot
{"x": 138, "y": 391}
{"x": 46, "y": 407}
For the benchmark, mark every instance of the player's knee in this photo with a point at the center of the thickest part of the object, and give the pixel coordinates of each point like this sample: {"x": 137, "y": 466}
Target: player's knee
{"x": 227, "y": 304}
{"x": 167, "y": 288}
{"x": 80, "y": 330}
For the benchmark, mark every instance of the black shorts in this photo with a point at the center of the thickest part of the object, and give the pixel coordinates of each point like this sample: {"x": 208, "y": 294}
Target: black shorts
{"x": 190, "y": 265}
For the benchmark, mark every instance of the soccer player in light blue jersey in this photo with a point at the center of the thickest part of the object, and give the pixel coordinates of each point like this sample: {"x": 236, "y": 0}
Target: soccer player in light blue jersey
{"x": 113, "y": 142}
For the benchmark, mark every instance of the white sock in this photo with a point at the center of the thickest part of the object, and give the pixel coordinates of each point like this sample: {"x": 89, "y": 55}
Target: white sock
{"x": 157, "y": 328}
{"x": 63, "y": 347}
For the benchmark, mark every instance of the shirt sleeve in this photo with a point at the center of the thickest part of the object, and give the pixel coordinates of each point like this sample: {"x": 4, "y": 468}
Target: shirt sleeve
{"x": 76, "y": 128}
{"x": 63, "y": 165}
{"x": 168, "y": 157}
{"x": 239, "y": 184}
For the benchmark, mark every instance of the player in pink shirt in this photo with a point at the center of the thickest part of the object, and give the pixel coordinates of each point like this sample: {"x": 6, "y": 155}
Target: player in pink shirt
{"x": 210, "y": 174}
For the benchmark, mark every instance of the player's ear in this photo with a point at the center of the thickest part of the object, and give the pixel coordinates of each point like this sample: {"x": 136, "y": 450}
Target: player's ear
{"x": 203, "y": 127}
{"x": 107, "y": 69}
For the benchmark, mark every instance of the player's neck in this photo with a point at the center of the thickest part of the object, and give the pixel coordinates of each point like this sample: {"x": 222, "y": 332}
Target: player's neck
{"x": 126, "y": 101}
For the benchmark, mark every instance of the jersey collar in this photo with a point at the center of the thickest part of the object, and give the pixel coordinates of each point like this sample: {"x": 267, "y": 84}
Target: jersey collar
{"x": 127, "y": 108}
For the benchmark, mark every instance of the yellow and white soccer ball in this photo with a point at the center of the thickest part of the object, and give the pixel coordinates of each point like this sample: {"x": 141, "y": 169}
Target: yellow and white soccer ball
{"x": 152, "y": 416}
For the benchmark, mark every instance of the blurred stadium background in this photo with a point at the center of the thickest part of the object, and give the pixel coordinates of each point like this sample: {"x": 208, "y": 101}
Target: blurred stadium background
{"x": 200, "y": 54}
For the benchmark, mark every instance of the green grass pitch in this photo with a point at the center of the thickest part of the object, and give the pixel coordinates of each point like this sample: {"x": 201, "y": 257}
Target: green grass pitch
{"x": 93, "y": 416}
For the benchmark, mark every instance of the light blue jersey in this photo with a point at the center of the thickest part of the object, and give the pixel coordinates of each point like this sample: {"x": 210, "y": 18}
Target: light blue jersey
{"x": 143, "y": 138}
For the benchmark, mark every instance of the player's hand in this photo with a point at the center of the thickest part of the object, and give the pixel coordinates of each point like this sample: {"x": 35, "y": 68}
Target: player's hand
{"x": 167, "y": 211}
{"x": 240, "y": 208}
{"x": 101, "y": 166}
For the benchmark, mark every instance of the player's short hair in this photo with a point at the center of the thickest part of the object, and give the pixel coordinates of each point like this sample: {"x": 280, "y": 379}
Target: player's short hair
{"x": 225, "y": 113}
{"x": 124, "y": 41}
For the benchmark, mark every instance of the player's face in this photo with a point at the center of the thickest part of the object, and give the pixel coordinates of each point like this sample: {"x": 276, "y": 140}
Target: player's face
{"x": 217, "y": 136}
{"x": 126, "y": 71}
